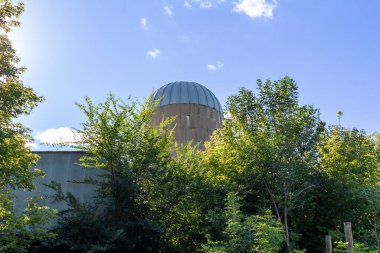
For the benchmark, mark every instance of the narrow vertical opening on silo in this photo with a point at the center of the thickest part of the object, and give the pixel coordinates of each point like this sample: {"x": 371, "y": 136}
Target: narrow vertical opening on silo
{"x": 188, "y": 121}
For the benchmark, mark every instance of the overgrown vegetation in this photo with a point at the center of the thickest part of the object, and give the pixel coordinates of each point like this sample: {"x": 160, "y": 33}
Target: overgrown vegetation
{"x": 254, "y": 233}
{"x": 274, "y": 178}
{"x": 287, "y": 180}
{"x": 18, "y": 228}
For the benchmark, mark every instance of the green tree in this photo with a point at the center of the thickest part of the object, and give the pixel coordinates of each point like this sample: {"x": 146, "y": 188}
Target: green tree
{"x": 350, "y": 156}
{"x": 188, "y": 202}
{"x": 150, "y": 194}
{"x": 17, "y": 231}
{"x": 267, "y": 150}
{"x": 339, "y": 115}
{"x": 350, "y": 185}
{"x": 256, "y": 233}
{"x": 15, "y": 99}
{"x": 132, "y": 156}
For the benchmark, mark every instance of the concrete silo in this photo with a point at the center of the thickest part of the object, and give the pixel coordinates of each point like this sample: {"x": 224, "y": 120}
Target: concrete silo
{"x": 198, "y": 113}
{"x": 197, "y": 110}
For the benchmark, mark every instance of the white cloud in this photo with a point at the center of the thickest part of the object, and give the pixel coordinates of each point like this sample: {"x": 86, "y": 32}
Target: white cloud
{"x": 58, "y": 136}
{"x": 143, "y": 23}
{"x": 31, "y": 145}
{"x": 168, "y": 10}
{"x": 211, "y": 67}
{"x": 205, "y": 4}
{"x": 256, "y": 8}
{"x": 154, "y": 53}
{"x": 187, "y": 4}
{"x": 219, "y": 65}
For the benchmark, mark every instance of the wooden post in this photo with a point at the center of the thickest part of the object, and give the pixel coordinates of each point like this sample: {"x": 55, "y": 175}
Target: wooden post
{"x": 348, "y": 236}
{"x": 328, "y": 244}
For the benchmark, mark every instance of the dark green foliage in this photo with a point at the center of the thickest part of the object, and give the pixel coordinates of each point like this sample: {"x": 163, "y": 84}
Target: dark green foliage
{"x": 151, "y": 195}
{"x": 277, "y": 155}
{"x": 134, "y": 157}
{"x": 349, "y": 184}
{"x": 267, "y": 150}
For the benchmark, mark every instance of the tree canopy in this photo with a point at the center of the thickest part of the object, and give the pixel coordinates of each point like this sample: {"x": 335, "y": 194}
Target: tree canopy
{"x": 274, "y": 178}
{"x": 17, "y": 230}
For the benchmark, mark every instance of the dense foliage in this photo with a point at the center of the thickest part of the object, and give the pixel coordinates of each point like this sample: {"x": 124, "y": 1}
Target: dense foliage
{"x": 18, "y": 228}
{"x": 267, "y": 149}
{"x": 256, "y": 233}
{"x": 150, "y": 193}
{"x": 279, "y": 155}
{"x": 274, "y": 178}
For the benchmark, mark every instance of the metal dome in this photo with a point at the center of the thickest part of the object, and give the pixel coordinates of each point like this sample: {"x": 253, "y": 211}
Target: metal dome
{"x": 186, "y": 93}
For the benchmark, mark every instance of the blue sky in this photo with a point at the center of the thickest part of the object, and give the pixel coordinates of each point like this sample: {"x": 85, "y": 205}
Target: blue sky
{"x": 89, "y": 48}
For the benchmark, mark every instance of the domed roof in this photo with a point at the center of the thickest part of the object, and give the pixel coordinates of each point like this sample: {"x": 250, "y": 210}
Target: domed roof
{"x": 186, "y": 93}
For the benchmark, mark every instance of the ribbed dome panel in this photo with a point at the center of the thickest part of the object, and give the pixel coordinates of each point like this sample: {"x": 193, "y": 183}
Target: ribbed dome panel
{"x": 186, "y": 93}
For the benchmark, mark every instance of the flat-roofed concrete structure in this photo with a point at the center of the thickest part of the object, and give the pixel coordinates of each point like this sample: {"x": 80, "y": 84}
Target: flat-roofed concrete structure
{"x": 61, "y": 167}
{"x": 197, "y": 110}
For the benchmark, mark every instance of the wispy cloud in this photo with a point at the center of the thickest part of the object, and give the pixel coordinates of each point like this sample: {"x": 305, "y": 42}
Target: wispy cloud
{"x": 154, "y": 53}
{"x": 61, "y": 135}
{"x": 204, "y": 4}
{"x": 143, "y": 23}
{"x": 187, "y": 4}
{"x": 168, "y": 10}
{"x": 212, "y": 67}
{"x": 256, "y": 8}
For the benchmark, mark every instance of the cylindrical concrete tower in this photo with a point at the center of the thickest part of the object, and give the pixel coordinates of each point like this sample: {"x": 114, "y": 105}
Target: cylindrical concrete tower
{"x": 197, "y": 110}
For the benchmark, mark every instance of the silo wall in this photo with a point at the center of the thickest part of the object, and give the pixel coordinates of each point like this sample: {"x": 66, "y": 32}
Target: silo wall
{"x": 193, "y": 121}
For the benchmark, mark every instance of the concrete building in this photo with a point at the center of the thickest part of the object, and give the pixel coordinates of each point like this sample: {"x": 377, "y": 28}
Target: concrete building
{"x": 61, "y": 167}
{"x": 198, "y": 113}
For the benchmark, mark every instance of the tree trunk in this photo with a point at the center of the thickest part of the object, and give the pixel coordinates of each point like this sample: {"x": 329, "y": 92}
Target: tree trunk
{"x": 286, "y": 226}
{"x": 115, "y": 196}
{"x": 273, "y": 202}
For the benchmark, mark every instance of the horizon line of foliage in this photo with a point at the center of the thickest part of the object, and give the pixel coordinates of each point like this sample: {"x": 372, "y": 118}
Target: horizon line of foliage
{"x": 18, "y": 228}
{"x": 274, "y": 178}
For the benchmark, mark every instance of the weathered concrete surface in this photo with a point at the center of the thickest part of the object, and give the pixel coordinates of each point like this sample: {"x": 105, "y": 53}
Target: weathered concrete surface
{"x": 193, "y": 121}
{"x": 61, "y": 167}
